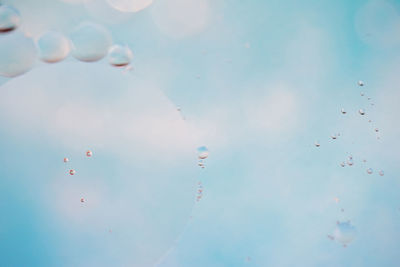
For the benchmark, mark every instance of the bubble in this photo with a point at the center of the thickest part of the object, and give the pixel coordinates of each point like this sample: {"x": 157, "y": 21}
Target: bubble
{"x": 17, "y": 54}
{"x": 72, "y": 172}
{"x": 82, "y": 200}
{"x": 66, "y": 160}
{"x": 90, "y": 42}
{"x": 362, "y": 93}
{"x": 360, "y": 83}
{"x": 342, "y": 164}
{"x": 202, "y": 152}
{"x": 89, "y": 153}
{"x": 119, "y": 56}
{"x": 129, "y": 5}
{"x": 361, "y": 111}
{"x": 369, "y": 171}
{"x": 343, "y": 111}
{"x": 381, "y": 173}
{"x": 317, "y": 144}
{"x": 9, "y": 18}
{"x": 333, "y": 136}
{"x": 53, "y": 47}
{"x": 345, "y": 233}
{"x": 350, "y": 162}
{"x": 376, "y": 130}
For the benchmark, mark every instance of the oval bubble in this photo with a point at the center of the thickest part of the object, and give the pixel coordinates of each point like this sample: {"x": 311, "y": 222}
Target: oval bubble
{"x": 53, "y": 47}
{"x": 202, "y": 152}
{"x": 90, "y": 42}
{"x": 17, "y": 54}
{"x": 9, "y": 18}
{"x": 345, "y": 233}
{"x": 129, "y": 5}
{"x": 120, "y": 56}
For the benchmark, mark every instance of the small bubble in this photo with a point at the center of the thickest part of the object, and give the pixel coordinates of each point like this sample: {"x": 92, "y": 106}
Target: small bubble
{"x": 362, "y": 93}
{"x": 72, "y": 172}
{"x": 369, "y": 98}
{"x": 9, "y": 18}
{"x": 66, "y": 160}
{"x": 360, "y": 83}
{"x": 376, "y": 130}
{"x": 82, "y": 200}
{"x": 350, "y": 162}
{"x": 381, "y": 173}
{"x": 369, "y": 171}
{"x": 53, "y": 47}
{"x": 317, "y": 144}
{"x": 361, "y": 111}
{"x": 342, "y": 164}
{"x": 120, "y": 56}
{"x": 344, "y": 233}
{"x": 343, "y": 111}
{"x": 369, "y": 121}
{"x": 89, "y": 153}
{"x": 202, "y": 152}
{"x": 333, "y": 136}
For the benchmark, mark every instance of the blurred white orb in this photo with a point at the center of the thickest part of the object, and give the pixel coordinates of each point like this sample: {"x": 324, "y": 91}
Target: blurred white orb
{"x": 90, "y": 42}
{"x": 17, "y": 54}
{"x": 129, "y": 5}
{"x": 53, "y": 47}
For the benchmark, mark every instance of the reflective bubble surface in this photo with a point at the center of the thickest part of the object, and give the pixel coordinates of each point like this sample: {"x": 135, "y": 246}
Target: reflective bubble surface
{"x": 120, "y": 56}
{"x": 53, "y": 47}
{"x": 9, "y": 18}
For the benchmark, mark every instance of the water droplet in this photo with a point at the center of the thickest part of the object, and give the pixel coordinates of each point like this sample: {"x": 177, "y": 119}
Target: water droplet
{"x": 343, "y": 111}
{"x": 369, "y": 171}
{"x": 381, "y": 173}
{"x": 361, "y": 111}
{"x": 89, "y": 153}
{"x": 90, "y": 42}
{"x": 66, "y": 160}
{"x": 202, "y": 152}
{"x": 350, "y": 162}
{"x": 344, "y": 233}
{"x": 9, "y": 18}
{"x": 333, "y": 136}
{"x": 376, "y": 130}
{"x": 317, "y": 144}
{"x": 72, "y": 172}
{"x": 342, "y": 164}
{"x": 362, "y": 93}
{"x": 360, "y": 83}
{"x": 17, "y": 54}
{"x": 129, "y": 5}
{"x": 120, "y": 56}
{"x": 53, "y": 47}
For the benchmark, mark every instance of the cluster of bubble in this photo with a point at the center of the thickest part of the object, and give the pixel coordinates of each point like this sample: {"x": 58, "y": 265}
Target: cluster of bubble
{"x": 89, "y": 42}
{"x": 89, "y": 154}
{"x": 344, "y": 233}
{"x": 202, "y": 153}
{"x": 199, "y": 191}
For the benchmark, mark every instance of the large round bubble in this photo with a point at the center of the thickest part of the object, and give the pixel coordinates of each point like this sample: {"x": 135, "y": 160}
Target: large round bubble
{"x": 17, "y": 54}
{"x": 129, "y": 5}
{"x": 90, "y": 42}
{"x": 119, "y": 55}
{"x": 345, "y": 233}
{"x": 9, "y": 18}
{"x": 138, "y": 189}
{"x": 53, "y": 47}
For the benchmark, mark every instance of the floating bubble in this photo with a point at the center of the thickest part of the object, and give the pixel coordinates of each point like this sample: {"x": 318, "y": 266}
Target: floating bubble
{"x": 333, "y": 136}
{"x": 345, "y": 233}
{"x": 343, "y": 111}
{"x": 9, "y": 18}
{"x": 17, "y": 54}
{"x": 82, "y": 200}
{"x": 202, "y": 152}
{"x": 129, "y": 5}
{"x": 350, "y": 162}
{"x": 342, "y": 164}
{"x": 362, "y": 93}
{"x": 53, "y": 47}
{"x": 90, "y": 42}
{"x": 376, "y": 130}
{"x": 369, "y": 171}
{"x": 369, "y": 121}
{"x": 360, "y": 83}
{"x": 361, "y": 111}
{"x": 120, "y": 56}
{"x": 72, "y": 172}
{"x": 317, "y": 144}
{"x": 89, "y": 153}
{"x": 66, "y": 160}
{"x": 381, "y": 173}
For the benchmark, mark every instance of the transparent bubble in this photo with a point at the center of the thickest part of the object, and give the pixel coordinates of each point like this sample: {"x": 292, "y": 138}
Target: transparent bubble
{"x": 17, "y": 54}
{"x": 376, "y": 130}
{"x": 342, "y": 164}
{"x": 362, "y": 93}
{"x": 9, "y": 18}
{"x": 82, "y": 200}
{"x": 381, "y": 173}
{"x": 66, "y": 160}
{"x": 317, "y": 144}
{"x": 334, "y": 136}
{"x": 361, "y": 111}
{"x": 90, "y": 42}
{"x": 72, "y": 172}
{"x": 202, "y": 152}
{"x": 129, "y": 5}
{"x": 345, "y": 233}
{"x": 343, "y": 111}
{"x": 369, "y": 171}
{"x": 360, "y": 83}
{"x": 120, "y": 56}
{"x": 350, "y": 162}
{"x": 89, "y": 153}
{"x": 53, "y": 47}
